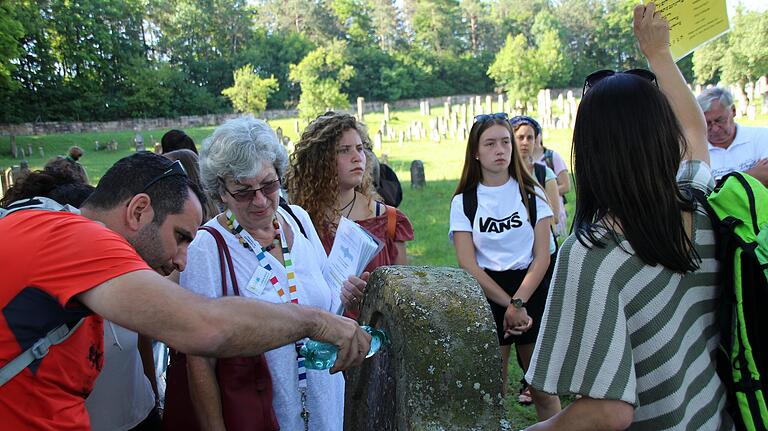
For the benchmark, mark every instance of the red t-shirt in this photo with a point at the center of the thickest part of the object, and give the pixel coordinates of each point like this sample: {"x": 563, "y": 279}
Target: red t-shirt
{"x": 46, "y": 258}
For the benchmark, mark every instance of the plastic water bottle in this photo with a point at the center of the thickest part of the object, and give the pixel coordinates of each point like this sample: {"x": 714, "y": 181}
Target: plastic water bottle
{"x": 321, "y": 356}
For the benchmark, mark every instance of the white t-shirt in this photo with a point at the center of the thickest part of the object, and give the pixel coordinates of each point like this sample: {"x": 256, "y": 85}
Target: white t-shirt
{"x": 749, "y": 146}
{"x": 501, "y": 232}
{"x": 325, "y": 392}
{"x": 122, "y": 396}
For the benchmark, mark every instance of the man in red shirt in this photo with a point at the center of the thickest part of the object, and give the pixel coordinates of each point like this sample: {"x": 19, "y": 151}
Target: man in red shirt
{"x": 59, "y": 267}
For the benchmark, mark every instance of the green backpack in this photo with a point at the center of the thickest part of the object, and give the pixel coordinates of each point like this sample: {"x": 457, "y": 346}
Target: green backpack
{"x": 739, "y": 209}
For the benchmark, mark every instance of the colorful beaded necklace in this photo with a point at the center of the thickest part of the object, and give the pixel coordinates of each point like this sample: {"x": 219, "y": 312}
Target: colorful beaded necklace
{"x": 250, "y": 243}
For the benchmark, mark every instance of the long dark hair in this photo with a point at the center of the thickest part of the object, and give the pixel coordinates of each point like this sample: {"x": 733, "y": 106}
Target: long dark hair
{"x": 472, "y": 174}
{"x": 627, "y": 149}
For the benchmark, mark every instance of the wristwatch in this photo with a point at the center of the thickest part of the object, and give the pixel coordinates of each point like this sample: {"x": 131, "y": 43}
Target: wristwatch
{"x": 517, "y": 302}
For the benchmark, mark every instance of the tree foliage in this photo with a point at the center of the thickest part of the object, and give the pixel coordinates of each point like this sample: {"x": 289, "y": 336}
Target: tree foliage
{"x": 110, "y": 59}
{"x": 321, "y": 74}
{"x": 250, "y": 91}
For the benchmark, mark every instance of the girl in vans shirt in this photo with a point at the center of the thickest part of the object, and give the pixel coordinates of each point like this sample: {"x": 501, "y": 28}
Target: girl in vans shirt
{"x": 500, "y": 228}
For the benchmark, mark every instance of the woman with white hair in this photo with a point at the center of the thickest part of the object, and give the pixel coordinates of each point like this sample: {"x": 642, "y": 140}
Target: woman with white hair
{"x": 277, "y": 257}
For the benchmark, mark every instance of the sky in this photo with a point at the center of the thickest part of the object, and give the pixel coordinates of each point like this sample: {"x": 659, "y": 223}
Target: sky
{"x": 759, "y": 5}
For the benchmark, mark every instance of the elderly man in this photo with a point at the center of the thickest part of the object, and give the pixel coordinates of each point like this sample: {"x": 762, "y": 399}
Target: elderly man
{"x": 732, "y": 147}
{"x": 62, "y": 272}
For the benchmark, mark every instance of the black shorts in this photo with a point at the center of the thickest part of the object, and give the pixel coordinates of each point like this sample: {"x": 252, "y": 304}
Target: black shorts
{"x": 510, "y": 281}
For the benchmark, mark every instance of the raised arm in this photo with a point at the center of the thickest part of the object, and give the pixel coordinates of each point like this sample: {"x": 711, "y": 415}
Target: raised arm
{"x": 233, "y": 326}
{"x": 652, "y": 33}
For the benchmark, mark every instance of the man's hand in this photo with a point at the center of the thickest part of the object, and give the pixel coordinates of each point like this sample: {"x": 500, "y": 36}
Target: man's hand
{"x": 352, "y": 290}
{"x": 651, "y": 30}
{"x": 353, "y": 342}
{"x": 760, "y": 171}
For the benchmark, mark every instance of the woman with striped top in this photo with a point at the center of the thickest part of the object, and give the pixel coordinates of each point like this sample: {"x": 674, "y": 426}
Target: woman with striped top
{"x": 630, "y": 322}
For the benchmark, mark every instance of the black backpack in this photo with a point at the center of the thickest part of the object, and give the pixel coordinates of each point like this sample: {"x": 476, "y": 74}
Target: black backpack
{"x": 388, "y": 186}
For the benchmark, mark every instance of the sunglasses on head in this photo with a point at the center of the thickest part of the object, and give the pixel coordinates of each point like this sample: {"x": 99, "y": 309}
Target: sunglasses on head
{"x": 176, "y": 169}
{"x": 482, "y": 118}
{"x": 595, "y": 77}
{"x": 524, "y": 119}
{"x": 248, "y": 195}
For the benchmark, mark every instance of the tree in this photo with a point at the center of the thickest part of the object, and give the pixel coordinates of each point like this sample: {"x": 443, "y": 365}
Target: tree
{"x": 250, "y": 92}
{"x": 517, "y": 69}
{"x": 706, "y": 61}
{"x": 312, "y": 19}
{"x": 11, "y": 31}
{"x": 434, "y": 24}
{"x": 322, "y": 73}
{"x": 387, "y": 24}
{"x": 522, "y": 70}
{"x": 746, "y": 60}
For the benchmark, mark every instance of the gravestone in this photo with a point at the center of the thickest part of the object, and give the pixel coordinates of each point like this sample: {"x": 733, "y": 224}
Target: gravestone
{"x": 441, "y": 370}
{"x": 386, "y": 112}
{"x": 139, "y": 142}
{"x": 427, "y": 108}
{"x": 29, "y": 149}
{"x": 488, "y": 106}
{"x": 500, "y": 103}
{"x": 418, "y": 180}
{"x": 7, "y": 179}
{"x": 97, "y": 145}
{"x": 279, "y": 133}
{"x": 377, "y": 138}
{"x": 14, "y": 151}
{"x": 400, "y": 138}
{"x": 112, "y": 146}
{"x": 446, "y": 109}
{"x": 3, "y": 182}
{"x": 360, "y": 109}
{"x": 478, "y": 107}
{"x": 41, "y": 151}
{"x": 296, "y": 127}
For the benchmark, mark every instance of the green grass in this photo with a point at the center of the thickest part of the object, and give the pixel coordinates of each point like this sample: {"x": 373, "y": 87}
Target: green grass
{"x": 427, "y": 208}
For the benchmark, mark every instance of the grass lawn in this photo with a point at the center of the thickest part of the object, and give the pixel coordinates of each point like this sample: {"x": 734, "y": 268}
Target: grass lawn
{"x": 428, "y": 208}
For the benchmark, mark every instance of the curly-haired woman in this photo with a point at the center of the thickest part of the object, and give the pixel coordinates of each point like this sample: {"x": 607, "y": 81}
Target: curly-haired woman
{"x": 330, "y": 177}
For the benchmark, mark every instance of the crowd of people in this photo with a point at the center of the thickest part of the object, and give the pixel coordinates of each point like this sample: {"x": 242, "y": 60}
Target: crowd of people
{"x": 220, "y": 256}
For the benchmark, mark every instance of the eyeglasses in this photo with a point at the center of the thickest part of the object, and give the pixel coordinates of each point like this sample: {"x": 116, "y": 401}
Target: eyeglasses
{"x": 248, "y": 195}
{"x": 595, "y": 77}
{"x": 176, "y": 169}
{"x": 482, "y": 118}
{"x": 524, "y": 119}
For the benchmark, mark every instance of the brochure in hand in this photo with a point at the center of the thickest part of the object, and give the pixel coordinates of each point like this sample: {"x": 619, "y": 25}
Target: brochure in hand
{"x": 353, "y": 249}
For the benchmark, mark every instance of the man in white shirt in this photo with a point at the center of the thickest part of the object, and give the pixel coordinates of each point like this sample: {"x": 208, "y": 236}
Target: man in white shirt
{"x": 732, "y": 147}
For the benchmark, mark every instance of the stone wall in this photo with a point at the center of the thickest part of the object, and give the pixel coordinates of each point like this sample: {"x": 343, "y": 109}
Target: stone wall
{"x": 140, "y": 124}
{"x": 441, "y": 371}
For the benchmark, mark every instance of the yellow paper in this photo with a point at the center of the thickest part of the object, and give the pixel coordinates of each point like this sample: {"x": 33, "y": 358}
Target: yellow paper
{"x": 693, "y": 23}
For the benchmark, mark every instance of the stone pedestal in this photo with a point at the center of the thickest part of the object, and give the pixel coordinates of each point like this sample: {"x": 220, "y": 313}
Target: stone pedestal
{"x": 441, "y": 371}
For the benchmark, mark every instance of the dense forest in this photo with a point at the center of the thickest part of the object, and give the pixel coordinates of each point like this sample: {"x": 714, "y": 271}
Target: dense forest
{"x": 109, "y": 59}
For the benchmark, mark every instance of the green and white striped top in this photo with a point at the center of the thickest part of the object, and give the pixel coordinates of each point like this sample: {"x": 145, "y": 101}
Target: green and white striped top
{"x": 615, "y": 328}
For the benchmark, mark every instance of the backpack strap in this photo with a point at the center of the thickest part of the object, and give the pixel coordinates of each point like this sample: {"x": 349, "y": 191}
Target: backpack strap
{"x": 284, "y": 205}
{"x": 540, "y": 172}
{"x": 532, "y": 210}
{"x": 391, "y": 222}
{"x": 55, "y": 336}
{"x": 224, "y": 257}
{"x": 549, "y": 157}
{"x": 469, "y": 200}
{"x": 37, "y": 351}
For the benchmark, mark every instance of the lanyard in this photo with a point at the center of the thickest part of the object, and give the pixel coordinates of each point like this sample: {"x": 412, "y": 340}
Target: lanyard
{"x": 249, "y": 242}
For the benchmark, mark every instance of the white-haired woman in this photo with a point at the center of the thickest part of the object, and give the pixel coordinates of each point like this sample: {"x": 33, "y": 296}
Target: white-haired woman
{"x": 277, "y": 257}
